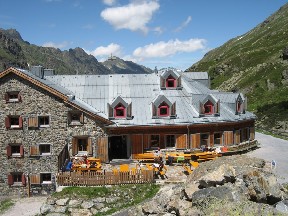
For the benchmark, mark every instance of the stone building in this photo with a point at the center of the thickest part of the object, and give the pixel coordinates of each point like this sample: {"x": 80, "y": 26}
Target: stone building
{"x": 40, "y": 125}
{"x": 45, "y": 119}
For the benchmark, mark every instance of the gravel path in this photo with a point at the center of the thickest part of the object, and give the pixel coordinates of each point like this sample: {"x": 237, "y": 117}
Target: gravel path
{"x": 26, "y": 206}
{"x": 272, "y": 148}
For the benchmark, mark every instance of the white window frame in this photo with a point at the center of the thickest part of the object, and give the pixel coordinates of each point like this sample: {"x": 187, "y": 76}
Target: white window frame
{"x": 45, "y": 182}
{"x": 44, "y": 125}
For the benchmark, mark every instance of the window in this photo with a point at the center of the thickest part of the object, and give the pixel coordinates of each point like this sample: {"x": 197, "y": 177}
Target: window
{"x": 208, "y": 108}
{"x": 45, "y": 178}
{"x": 15, "y": 150}
{"x": 75, "y": 118}
{"x": 13, "y": 122}
{"x": 217, "y": 138}
{"x": 44, "y": 121}
{"x": 44, "y": 149}
{"x": 170, "y": 141}
{"x": 163, "y": 109}
{"x": 204, "y": 139}
{"x": 16, "y": 179}
{"x": 155, "y": 141}
{"x": 82, "y": 146}
{"x": 171, "y": 82}
{"x": 13, "y": 97}
{"x": 120, "y": 111}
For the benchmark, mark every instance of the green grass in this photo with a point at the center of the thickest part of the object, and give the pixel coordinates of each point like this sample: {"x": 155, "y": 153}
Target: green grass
{"x": 129, "y": 195}
{"x": 5, "y": 204}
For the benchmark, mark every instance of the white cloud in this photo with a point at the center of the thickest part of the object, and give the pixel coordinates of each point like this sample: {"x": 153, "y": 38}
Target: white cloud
{"x": 158, "y": 30}
{"x": 56, "y": 45}
{"x": 109, "y": 2}
{"x": 134, "y": 16}
{"x": 102, "y": 51}
{"x": 184, "y": 24}
{"x": 164, "y": 49}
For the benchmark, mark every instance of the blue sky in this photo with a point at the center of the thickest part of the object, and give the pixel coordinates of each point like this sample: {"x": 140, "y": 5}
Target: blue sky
{"x": 162, "y": 33}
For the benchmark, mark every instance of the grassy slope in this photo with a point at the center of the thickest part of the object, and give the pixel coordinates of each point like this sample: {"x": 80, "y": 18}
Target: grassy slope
{"x": 252, "y": 63}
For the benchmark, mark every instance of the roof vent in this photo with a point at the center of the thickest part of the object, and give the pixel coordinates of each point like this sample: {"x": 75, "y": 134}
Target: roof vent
{"x": 71, "y": 97}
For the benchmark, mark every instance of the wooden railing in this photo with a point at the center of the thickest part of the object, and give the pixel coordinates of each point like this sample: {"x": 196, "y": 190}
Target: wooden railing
{"x": 104, "y": 178}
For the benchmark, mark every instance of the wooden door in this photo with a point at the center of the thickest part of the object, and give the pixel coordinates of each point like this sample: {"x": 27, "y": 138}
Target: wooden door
{"x": 228, "y": 138}
{"x": 181, "y": 141}
{"x": 102, "y": 149}
{"x": 195, "y": 140}
{"x": 137, "y": 144}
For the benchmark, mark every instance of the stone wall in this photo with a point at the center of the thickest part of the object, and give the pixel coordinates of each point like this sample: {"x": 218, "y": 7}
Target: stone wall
{"x": 36, "y": 101}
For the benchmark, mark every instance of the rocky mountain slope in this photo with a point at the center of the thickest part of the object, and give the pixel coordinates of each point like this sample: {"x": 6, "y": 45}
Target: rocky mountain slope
{"x": 14, "y": 51}
{"x": 256, "y": 64}
{"x": 119, "y": 66}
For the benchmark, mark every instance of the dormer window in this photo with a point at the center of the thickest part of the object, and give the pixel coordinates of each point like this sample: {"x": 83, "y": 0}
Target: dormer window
{"x": 163, "y": 109}
{"x": 240, "y": 105}
{"x": 208, "y": 108}
{"x": 120, "y": 111}
{"x": 171, "y": 82}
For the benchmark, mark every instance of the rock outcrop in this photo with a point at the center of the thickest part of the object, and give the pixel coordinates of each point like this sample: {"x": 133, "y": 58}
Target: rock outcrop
{"x": 226, "y": 186}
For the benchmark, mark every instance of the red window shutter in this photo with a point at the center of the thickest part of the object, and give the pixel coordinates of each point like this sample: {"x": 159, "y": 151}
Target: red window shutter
{"x": 129, "y": 111}
{"x": 6, "y": 97}
{"x": 74, "y": 146}
{"x": 201, "y": 109}
{"x": 7, "y": 122}
{"x": 154, "y": 110}
{"x": 34, "y": 150}
{"x": 10, "y": 179}
{"x": 82, "y": 118}
{"x": 23, "y": 179}
{"x": 9, "y": 152}
{"x": 19, "y": 97}
{"x": 89, "y": 146}
{"x": 162, "y": 82}
{"x": 35, "y": 179}
{"x": 110, "y": 110}
{"x": 173, "y": 109}
{"x": 20, "y": 122}
{"x": 21, "y": 150}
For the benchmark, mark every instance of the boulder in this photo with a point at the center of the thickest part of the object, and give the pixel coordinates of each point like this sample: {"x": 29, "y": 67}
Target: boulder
{"x": 87, "y": 204}
{"x": 46, "y": 208}
{"x": 282, "y": 206}
{"x": 62, "y": 202}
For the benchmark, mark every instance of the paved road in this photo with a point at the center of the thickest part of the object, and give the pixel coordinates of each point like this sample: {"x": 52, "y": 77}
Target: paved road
{"x": 273, "y": 149}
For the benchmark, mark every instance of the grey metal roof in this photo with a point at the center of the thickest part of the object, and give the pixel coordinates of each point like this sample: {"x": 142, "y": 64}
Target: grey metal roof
{"x": 142, "y": 89}
{"x": 196, "y": 75}
{"x": 65, "y": 91}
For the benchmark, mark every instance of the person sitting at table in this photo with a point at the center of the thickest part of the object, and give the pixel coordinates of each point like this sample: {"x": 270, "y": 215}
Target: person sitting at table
{"x": 69, "y": 166}
{"x": 93, "y": 164}
{"x": 170, "y": 160}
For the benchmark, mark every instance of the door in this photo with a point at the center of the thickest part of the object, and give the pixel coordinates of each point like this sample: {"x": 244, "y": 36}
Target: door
{"x": 102, "y": 149}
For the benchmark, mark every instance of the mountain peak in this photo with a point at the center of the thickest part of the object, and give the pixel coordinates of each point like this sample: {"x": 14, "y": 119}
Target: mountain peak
{"x": 11, "y": 33}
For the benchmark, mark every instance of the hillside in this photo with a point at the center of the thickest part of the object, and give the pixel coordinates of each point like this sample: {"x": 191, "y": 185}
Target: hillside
{"x": 120, "y": 66}
{"x": 14, "y": 51}
{"x": 256, "y": 64}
